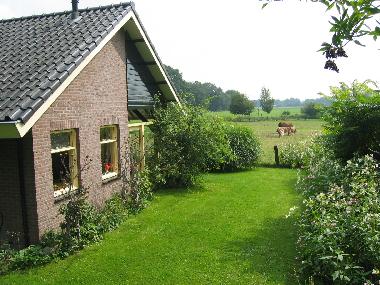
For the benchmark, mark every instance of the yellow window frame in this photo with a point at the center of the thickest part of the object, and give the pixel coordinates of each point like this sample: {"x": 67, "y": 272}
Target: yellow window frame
{"x": 114, "y": 143}
{"x": 73, "y": 161}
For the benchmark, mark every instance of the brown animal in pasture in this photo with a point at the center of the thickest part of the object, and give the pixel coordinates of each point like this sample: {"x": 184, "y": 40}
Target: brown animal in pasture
{"x": 284, "y": 124}
{"x": 286, "y": 130}
{"x": 281, "y": 131}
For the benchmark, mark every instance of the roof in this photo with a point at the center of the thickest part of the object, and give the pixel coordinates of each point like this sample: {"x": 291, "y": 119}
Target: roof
{"x": 39, "y": 53}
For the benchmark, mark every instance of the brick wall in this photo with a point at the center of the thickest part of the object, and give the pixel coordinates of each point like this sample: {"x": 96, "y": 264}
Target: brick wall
{"x": 96, "y": 97}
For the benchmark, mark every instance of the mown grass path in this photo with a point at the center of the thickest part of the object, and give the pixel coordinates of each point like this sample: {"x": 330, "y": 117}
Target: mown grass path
{"x": 232, "y": 230}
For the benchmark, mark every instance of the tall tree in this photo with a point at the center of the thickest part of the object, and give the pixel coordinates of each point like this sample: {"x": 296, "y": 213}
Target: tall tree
{"x": 266, "y": 100}
{"x": 206, "y": 94}
{"x": 240, "y": 104}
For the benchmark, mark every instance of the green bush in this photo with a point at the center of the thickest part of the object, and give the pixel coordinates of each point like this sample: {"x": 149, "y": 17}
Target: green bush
{"x": 339, "y": 239}
{"x": 245, "y": 148}
{"x": 80, "y": 222}
{"x": 301, "y": 153}
{"x": 353, "y": 121}
{"x": 82, "y": 225}
{"x": 112, "y": 214}
{"x": 140, "y": 191}
{"x": 187, "y": 142}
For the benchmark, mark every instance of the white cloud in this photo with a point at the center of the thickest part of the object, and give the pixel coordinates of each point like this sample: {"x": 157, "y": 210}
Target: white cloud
{"x": 5, "y": 12}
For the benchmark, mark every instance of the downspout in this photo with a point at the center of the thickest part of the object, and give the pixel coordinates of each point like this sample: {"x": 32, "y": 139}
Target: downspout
{"x": 24, "y": 214}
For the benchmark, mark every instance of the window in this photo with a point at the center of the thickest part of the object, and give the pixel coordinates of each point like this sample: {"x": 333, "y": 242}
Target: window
{"x": 64, "y": 161}
{"x": 109, "y": 151}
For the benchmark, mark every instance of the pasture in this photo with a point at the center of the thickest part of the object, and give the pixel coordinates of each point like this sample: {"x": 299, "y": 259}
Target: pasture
{"x": 231, "y": 230}
{"x": 276, "y": 112}
{"x": 257, "y": 112}
{"x": 266, "y": 131}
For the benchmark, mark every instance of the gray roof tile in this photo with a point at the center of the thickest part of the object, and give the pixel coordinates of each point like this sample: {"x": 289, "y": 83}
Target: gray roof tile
{"x": 38, "y": 52}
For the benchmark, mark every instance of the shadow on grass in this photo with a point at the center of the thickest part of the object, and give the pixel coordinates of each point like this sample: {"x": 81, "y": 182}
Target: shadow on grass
{"x": 269, "y": 251}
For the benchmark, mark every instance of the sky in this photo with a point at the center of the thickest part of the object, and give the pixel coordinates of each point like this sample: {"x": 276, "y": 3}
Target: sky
{"x": 236, "y": 44}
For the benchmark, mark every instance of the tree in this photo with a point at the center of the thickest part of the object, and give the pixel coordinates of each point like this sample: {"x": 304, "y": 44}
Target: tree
{"x": 240, "y": 104}
{"x": 266, "y": 100}
{"x": 207, "y": 94}
{"x": 289, "y": 102}
{"x": 354, "y": 19}
{"x": 311, "y": 110}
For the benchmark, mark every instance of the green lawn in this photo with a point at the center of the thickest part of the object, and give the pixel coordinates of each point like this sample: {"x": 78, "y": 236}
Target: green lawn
{"x": 257, "y": 112}
{"x": 232, "y": 230}
{"x": 277, "y": 112}
{"x": 266, "y": 131}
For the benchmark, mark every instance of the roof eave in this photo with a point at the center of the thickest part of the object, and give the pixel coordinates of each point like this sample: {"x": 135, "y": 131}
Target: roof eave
{"x": 10, "y": 130}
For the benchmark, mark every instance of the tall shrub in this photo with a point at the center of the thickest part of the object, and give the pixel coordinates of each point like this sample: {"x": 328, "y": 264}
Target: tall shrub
{"x": 186, "y": 143}
{"x": 339, "y": 240}
{"x": 353, "y": 120}
{"x": 245, "y": 147}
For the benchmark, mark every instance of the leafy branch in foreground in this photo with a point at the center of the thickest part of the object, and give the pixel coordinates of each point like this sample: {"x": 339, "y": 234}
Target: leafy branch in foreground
{"x": 354, "y": 20}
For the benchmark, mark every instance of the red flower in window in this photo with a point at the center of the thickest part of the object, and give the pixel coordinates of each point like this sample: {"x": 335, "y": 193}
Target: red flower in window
{"x": 107, "y": 166}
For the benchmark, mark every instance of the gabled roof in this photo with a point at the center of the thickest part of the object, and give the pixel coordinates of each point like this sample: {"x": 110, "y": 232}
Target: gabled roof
{"x": 41, "y": 55}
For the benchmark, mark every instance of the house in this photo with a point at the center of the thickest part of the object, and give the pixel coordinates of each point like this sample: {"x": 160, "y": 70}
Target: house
{"x": 69, "y": 84}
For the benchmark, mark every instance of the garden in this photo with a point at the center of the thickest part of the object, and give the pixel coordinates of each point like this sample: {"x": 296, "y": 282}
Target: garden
{"x": 212, "y": 207}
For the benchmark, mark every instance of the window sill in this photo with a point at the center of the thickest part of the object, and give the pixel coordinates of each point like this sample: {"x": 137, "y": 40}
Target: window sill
{"x": 109, "y": 177}
{"x": 62, "y": 194}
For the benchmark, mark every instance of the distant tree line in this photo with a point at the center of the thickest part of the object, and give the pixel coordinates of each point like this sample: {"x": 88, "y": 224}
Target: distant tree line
{"x": 295, "y": 102}
{"x": 213, "y": 98}
{"x": 197, "y": 93}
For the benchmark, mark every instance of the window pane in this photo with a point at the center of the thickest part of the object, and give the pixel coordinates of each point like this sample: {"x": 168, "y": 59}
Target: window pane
{"x": 108, "y": 161}
{"x": 106, "y": 133}
{"x": 61, "y": 170}
{"x": 60, "y": 140}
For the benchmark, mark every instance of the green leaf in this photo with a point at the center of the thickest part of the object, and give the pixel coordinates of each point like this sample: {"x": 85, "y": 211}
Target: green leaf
{"x": 336, "y": 20}
{"x": 358, "y": 43}
{"x": 335, "y": 275}
{"x": 372, "y": 10}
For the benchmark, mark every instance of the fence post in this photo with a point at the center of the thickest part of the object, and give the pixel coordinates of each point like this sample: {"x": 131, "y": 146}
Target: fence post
{"x": 276, "y": 158}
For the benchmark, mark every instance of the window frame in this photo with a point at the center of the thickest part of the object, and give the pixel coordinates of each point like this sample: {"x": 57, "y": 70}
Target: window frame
{"x": 73, "y": 160}
{"x": 115, "y": 156}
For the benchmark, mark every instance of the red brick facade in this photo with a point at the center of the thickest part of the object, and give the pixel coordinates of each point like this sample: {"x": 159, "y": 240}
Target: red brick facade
{"x": 96, "y": 97}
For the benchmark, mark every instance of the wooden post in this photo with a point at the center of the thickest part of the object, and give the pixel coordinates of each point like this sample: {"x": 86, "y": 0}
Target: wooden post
{"x": 276, "y": 158}
{"x": 142, "y": 147}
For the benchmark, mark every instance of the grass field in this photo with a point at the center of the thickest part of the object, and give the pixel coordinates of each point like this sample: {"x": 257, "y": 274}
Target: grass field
{"x": 266, "y": 131}
{"x": 232, "y": 230}
{"x": 276, "y": 112}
